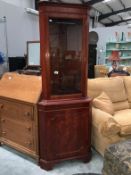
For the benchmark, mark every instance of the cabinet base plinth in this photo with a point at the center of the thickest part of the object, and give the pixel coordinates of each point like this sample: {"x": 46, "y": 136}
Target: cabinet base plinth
{"x": 87, "y": 158}
{"x": 48, "y": 165}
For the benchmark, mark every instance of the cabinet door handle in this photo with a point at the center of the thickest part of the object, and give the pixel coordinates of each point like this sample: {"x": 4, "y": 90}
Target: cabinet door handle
{"x": 27, "y": 114}
{"x": 53, "y": 118}
{"x": 1, "y": 106}
{"x": 28, "y": 128}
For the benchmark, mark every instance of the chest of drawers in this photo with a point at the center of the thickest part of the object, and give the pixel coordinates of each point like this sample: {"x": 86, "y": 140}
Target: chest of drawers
{"x": 18, "y": 112}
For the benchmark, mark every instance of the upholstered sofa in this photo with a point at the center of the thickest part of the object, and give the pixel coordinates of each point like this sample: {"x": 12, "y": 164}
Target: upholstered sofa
{"x": 111, "y": 110}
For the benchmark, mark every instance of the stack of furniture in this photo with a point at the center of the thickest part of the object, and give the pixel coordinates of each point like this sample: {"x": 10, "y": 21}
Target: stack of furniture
{"x": 19, "y": 95}
{"x": 111, "y": 111}
{"x": 128, "y": 69}
{"x": 101, "y": 70}
{"x": 104, "y": 71}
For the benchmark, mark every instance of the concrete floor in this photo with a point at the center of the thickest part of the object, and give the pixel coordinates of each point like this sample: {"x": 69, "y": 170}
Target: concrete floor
{"x": 15, "y": 163}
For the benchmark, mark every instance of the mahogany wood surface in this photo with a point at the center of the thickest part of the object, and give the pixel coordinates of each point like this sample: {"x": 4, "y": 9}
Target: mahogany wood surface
{"x": 62, "y": 11}
{"x": 64, "y": 120}
{"x": 65, "y": 131}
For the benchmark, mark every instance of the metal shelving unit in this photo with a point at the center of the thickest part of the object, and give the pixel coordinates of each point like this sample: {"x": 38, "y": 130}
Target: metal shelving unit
{"x": 124, "y": 48}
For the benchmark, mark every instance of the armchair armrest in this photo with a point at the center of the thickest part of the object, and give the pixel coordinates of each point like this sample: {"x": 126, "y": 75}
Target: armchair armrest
{"x": 105, "y": 122}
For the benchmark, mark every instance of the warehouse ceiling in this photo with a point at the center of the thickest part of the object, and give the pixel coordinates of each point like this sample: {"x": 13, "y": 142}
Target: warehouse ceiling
{"x": 107, "y": 12}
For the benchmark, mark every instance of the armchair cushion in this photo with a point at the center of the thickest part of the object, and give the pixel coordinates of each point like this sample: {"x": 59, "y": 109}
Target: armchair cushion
{"x": 121, "y": 105}
{"x": 123, "y": 118}
{"x": 114, "y": 88}
{"x": 105, "y": 122}
{"x": 110, "y": 127}
{"x": 104, "y": 103}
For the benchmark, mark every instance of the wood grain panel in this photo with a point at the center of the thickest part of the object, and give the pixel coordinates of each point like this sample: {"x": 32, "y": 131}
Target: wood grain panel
{"x": 64, "y": 118}
{"x": 18, "y": 132}
{"x": 64, "y": 131}
{"x": 16, "y": 111}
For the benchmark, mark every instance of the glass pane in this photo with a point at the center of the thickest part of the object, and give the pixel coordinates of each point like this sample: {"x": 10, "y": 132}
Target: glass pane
{"x": 65, "y": 55}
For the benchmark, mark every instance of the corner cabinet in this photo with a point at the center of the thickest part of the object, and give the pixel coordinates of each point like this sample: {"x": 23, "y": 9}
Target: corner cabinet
{"x": 64, "y": 109}
{"x": 124, "y": 48}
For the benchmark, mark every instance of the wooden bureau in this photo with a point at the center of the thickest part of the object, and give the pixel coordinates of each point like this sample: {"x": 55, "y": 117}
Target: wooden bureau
{"x": 19, "y": 95}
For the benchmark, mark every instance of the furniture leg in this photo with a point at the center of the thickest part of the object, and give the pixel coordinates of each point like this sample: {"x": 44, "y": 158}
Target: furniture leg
{"x": 46, "y": 165}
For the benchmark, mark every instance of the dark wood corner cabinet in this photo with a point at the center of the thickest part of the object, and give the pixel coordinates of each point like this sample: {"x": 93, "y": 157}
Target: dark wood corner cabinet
{"x": 64, "y": 109}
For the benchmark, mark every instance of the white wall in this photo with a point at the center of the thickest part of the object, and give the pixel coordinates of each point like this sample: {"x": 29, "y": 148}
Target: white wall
{"x": 21, "y": 27}
{"x": 21, "y": 3}
{"x": 105, "y": 34}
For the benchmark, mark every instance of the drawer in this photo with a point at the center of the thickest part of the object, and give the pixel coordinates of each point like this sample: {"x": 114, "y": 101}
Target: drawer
{"x": 16, "y": 111}
{"x": 17, "y": 132}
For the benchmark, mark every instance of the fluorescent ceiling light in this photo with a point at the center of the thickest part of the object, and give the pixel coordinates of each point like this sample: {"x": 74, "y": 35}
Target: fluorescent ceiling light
{"x": 32, "y": 11}
{"x": 106, "y": 1}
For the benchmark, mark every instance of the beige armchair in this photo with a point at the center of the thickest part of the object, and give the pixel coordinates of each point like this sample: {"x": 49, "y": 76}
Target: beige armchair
{"x": 111, "y": 110}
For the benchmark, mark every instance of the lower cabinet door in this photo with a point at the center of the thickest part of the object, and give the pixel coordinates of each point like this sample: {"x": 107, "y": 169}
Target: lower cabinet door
{"x": 64, "y": 133}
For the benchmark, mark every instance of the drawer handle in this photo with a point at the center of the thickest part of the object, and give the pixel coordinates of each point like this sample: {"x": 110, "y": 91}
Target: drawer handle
{"x": 3, "y": 132}
{"x": 3, "y": 120}
{"x": 1, "y": 106}
{"x": 27, "y": 114}
{"x": 28, "y": 128}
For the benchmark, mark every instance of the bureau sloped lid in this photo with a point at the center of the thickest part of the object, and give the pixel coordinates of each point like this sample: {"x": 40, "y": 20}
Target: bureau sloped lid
{"x": 26, "y": 88}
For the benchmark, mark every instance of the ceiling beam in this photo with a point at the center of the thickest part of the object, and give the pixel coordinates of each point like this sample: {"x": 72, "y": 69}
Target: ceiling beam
{"x": 82, "y": 1}
{"x": 117, "y": 22}
{"x": 109, "y": 7}
{"x": 123, "y": 5}
{"x": 59, "y": 1}
{"x": 113, "y": 13}
{"x": 92, "y": 2}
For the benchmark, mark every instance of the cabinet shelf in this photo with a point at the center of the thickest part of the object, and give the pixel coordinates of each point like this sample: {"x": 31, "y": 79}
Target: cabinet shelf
{"x": 118, "y": 49}
{"x": 122, "y": 58}
{"x": 118, "y": 42}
